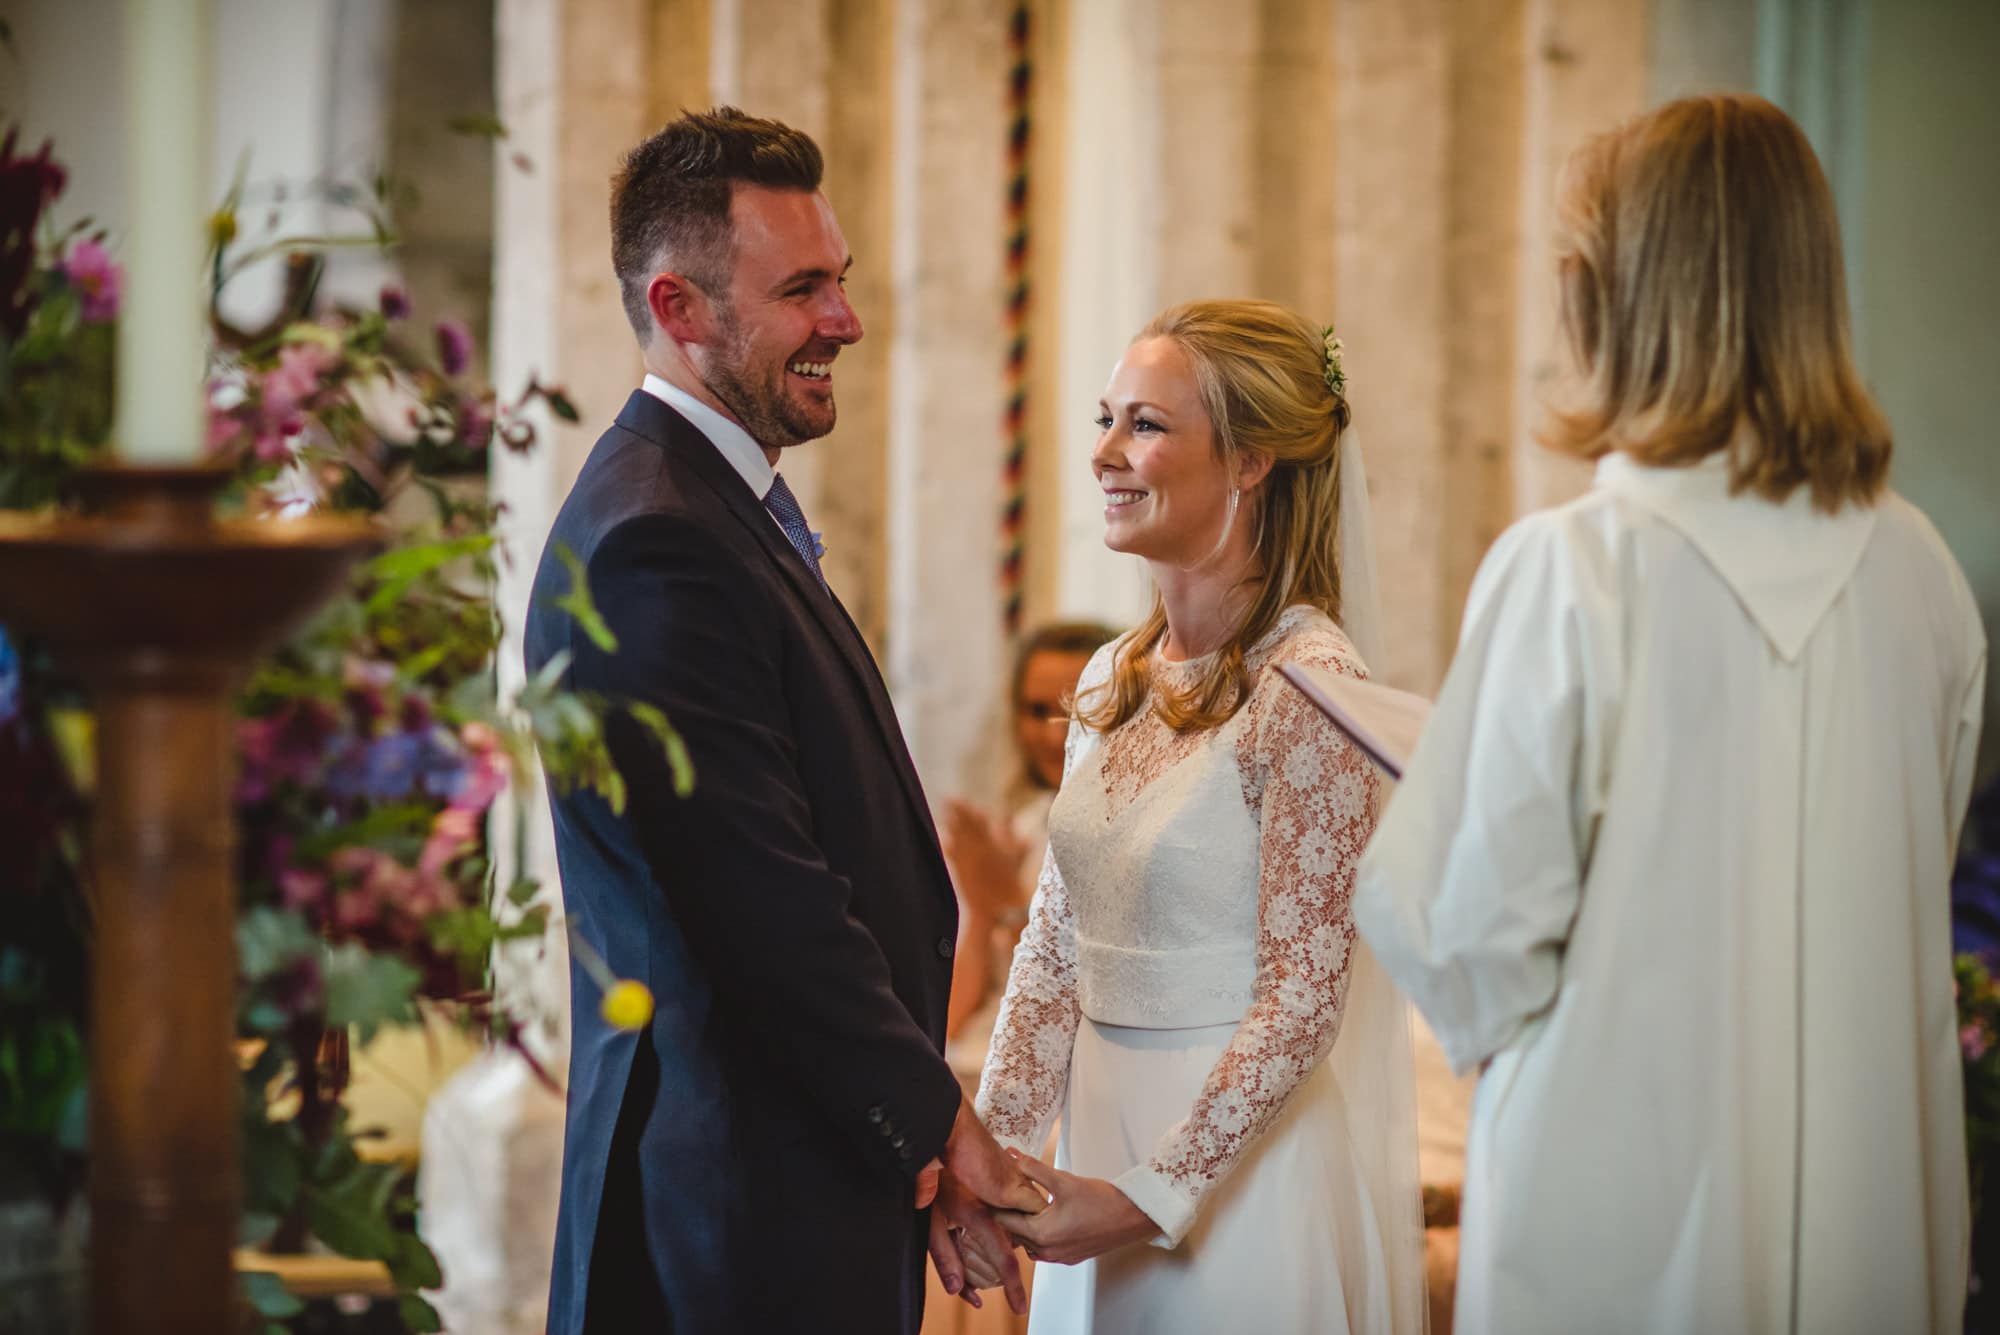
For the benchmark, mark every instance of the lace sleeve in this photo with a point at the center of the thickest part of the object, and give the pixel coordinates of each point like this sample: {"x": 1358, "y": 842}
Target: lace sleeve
{"x": 1314, "y": 796}
{"x": 1027, "y": 1066}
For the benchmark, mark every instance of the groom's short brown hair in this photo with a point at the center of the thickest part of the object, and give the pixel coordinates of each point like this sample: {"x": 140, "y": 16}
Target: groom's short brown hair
{"x": 670, "y": 198}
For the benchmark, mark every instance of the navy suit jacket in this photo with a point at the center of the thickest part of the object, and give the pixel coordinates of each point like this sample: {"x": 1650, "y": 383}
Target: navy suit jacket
{"x": 747, "y": 1162}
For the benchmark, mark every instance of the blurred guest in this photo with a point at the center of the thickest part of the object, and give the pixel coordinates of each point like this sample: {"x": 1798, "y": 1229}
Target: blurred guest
{"x": 1672, "y": 863}
{"x": 993, "y": 856}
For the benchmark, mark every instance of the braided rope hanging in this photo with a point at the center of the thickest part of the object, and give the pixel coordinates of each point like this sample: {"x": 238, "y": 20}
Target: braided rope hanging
{"x": 1014, "y": 473}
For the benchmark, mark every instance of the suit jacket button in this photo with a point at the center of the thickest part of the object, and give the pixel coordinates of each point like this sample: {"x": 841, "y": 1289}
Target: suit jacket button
{"x": 903, "y": 1153}
{"x": 897, "y": 1140}
{"x": 887, "y": 1129}
{"x": 875, "y": 1114}
{"x": 946, "y": 948}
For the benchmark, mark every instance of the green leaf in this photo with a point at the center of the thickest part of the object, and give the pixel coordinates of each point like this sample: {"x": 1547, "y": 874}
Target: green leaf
{"x": 270, "y": 940}
{"x": 342, "y": 1216}
{"x": 559, "y": 404}
{"x": 418, "y": 1315}
{"x": 577, "y": 602}
{"x": 254, "y": 1229}
{"x": 366, "y": 991}
{"x": 414, "y": 1265}
{"x": 523, "y": 892}
{"x": 678, "y": 759}
{"x": 399, "y": 830}
{"x": 268, "y": 1294}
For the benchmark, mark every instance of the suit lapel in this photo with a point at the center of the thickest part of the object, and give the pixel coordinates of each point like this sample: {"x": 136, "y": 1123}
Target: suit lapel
{"x": 647, "y": 416}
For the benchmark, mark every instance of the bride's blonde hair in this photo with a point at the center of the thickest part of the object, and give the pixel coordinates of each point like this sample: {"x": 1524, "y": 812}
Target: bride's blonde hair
{"x": 1261, "y": 373}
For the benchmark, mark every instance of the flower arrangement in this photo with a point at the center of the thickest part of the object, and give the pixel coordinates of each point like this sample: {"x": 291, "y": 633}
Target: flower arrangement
{"x": 1975, "y": 907}
{"x": 372, "y": 747}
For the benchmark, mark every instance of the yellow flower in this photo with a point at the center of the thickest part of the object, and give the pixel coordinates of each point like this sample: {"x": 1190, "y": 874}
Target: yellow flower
{"x": 627, "y": 1006}
{"x": 222, "y": 227}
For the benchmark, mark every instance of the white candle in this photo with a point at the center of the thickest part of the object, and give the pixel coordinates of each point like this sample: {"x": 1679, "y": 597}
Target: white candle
{"x": 162, "y": 326}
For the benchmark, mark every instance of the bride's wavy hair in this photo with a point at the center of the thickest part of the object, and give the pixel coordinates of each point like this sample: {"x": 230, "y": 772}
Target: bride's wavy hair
{"x": 1260, "y": 371}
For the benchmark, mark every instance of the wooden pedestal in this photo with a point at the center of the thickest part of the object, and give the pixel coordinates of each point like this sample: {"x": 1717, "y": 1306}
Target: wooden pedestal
{"x": 162, "y": 609}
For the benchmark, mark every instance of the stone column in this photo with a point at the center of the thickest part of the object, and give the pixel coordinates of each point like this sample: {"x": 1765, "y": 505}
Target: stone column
{"x": 1393, "y": 105}
{"x": 1481, "y": 300}
{"x": 1108, "y": 247}
{"x": 1585, "y": 70}
{"x": 946, "y": 657}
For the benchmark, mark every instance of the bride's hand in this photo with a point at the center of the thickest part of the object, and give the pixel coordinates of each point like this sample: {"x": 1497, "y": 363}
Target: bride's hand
{"x": 1086, "y": 1217}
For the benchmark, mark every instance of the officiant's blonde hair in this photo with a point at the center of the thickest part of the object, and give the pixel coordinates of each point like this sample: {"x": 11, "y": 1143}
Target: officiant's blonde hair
{"x": 1260, "y": 372}
{"x": 1705, "y": 303}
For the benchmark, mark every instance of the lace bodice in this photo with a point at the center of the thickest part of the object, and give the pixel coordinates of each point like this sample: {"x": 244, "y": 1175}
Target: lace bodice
{"x": 1193, "y": 878}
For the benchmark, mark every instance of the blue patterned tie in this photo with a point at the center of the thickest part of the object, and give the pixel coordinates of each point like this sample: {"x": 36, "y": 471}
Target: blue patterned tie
{"x": 784, "y": 507}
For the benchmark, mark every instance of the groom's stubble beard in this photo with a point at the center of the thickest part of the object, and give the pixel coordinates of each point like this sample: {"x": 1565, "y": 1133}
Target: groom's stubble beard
{"x": 756, "y": 395}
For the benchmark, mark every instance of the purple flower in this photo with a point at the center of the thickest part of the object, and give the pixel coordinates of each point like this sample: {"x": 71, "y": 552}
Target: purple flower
{"x": 395, "y": 302}
{"x": 289, "y": 746}
{"x": 398, "y": 765}
{"x": 454, "y": 342}
{"x": 97, "y": 279}
{"x": 475, "y": 424}
{"x": 27, "y": 186}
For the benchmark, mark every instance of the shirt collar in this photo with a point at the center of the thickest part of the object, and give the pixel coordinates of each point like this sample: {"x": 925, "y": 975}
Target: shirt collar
{"x": 1786, "y": 562}
{"x": 735, "y": 444}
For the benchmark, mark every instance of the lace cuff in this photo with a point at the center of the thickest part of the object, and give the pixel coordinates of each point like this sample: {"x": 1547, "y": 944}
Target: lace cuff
{"x": 1161, "y": 1202}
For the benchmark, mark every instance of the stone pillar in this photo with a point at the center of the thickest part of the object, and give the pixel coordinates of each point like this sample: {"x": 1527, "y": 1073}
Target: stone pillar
{"x": 1481, "y": 301}
{"x": 1112, "y": 199}
{"x": 1392, "y": 107}
{"x": 946, "y": 658}
{"x": 1585, "y": 71}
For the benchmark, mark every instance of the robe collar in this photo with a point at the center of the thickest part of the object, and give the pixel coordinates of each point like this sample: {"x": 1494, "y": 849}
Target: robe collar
{"x": 1785, "y": 562}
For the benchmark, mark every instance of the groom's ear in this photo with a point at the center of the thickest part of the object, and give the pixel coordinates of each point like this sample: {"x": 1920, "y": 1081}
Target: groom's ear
{"x": 679, "y": 308}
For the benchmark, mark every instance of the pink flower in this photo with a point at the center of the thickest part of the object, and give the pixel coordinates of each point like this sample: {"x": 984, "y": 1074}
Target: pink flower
{"x": 287, "y": 389}
{"x": 1975, "y": 1040}
{"x": 454, "y": 343}
{"x": 223, "y": 429}
{"x": 90, "y": 270}
{"x": 301, "y": 889}
{"x": 454, "y": 830}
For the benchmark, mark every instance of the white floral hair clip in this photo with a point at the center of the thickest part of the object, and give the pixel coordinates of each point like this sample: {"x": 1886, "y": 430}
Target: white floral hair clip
{"x": 1329, "y": 362}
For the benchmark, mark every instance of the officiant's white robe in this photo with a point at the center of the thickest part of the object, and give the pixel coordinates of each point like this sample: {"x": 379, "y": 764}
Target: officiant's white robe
{"x": 1674, "y": 851}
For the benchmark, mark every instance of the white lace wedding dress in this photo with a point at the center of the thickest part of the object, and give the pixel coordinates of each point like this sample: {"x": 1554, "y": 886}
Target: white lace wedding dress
{"x": 1184, "y": 975}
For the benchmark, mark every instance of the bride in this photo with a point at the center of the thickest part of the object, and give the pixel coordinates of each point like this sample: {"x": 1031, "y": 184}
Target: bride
{"x": 1232, "y": 1070}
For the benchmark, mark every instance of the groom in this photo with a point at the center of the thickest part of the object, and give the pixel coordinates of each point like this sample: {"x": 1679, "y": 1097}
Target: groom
{"x": 758, "y": 1157}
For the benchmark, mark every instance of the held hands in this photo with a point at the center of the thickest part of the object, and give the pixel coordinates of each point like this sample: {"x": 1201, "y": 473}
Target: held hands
{"x": 1085, "y": 1217}
{"x": 966, "y": 1244}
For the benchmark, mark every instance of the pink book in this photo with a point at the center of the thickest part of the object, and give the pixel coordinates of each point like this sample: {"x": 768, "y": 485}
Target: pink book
{"x": 1383, "y": 721}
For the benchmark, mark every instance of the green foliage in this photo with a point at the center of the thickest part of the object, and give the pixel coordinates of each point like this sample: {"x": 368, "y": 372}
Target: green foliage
{"x": 372, "y": 745}
{"x": 270, "y": 1298}
{"x": 365, "y": 990}
{"x": 578, "y": 604}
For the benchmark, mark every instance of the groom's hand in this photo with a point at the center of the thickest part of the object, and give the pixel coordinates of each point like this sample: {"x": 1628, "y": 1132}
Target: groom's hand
{"x": 971, "y": 1250}
{"x": 975, "y": 1159}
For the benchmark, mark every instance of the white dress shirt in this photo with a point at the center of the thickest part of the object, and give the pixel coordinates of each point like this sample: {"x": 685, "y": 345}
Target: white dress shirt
{"x": 735, "y": 444}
